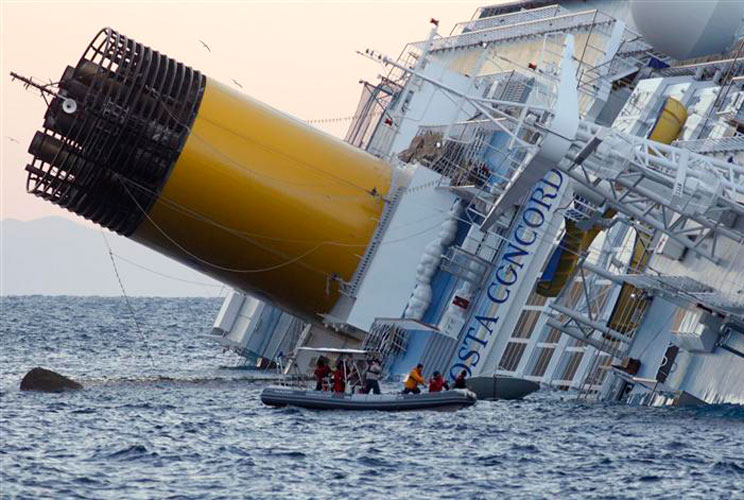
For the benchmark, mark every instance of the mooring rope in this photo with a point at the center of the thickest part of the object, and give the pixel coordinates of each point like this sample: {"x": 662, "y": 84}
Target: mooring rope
{"x": 141, "y": 335}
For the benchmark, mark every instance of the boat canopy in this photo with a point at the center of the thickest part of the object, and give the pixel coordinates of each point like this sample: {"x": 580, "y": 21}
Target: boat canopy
{"x": 353, "y": 353}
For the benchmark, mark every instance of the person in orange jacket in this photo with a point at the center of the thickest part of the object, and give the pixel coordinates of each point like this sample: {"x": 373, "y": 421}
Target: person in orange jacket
{"x": 437, "y": 383}
{"x": 414, "y": 379}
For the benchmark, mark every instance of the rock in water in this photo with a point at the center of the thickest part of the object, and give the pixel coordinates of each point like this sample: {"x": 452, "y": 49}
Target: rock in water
{"x": 41, "y": 379}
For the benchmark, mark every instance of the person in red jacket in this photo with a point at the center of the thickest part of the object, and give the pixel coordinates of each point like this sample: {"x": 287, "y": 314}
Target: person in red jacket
{"x": 437, "y": 383}
{"x": 322, "y": 370}
{"x": 339, "y": 377}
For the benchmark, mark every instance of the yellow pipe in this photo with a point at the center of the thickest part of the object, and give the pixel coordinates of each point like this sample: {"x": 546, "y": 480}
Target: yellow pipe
{"x": 667, "y": 128}
{"x": 575, "y": 242}
{"x": 267, "y": 204}
{"x": 627, "y": 312}
{"x": 669, "y": 124}
{"x": 631, "y": 302}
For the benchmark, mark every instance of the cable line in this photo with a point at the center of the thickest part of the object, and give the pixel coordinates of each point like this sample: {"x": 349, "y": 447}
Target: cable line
{"x": 211, "y": 285}
{"x": 142, "y": 336}
{"x": 344, "y": 118}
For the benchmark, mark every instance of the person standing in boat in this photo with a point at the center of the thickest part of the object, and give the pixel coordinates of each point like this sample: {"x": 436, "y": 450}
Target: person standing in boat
{"x": 437, "y": 383}
{"x": 460, "y": 380}
{"x": 372, "y": 377}
{"x": 339, "y": 377}
{"x": 414, "y": 379}
{"x": 322, "y": 371}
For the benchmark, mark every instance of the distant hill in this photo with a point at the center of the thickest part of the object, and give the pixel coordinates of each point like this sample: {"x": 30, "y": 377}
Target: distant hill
{"x": 56, "y": 256}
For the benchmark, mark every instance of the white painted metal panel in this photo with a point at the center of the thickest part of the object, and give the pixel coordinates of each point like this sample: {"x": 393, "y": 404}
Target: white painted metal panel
{"x": 385, "y": 290}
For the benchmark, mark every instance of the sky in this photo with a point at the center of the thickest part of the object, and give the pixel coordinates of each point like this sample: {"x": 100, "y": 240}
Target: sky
{"x": 296, "y": 56}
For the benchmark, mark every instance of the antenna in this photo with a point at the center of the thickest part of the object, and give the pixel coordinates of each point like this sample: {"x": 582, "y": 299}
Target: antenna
{"x": 44, "y": 90}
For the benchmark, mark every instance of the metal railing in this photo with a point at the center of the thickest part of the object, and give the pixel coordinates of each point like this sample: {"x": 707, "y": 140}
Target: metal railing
{"x": 535, "y": 27}
{"x": 510, "y": 18}
{"x": 720, "y": 145}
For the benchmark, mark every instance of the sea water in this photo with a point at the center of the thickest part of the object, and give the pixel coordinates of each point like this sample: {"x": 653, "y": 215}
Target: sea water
{"x": 172, "y": 416}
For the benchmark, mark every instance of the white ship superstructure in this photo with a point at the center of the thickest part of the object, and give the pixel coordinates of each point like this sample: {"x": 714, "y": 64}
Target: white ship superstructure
{"x": 571, "y": 213}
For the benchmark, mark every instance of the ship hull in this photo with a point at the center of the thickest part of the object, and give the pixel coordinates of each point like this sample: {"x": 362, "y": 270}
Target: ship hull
{"x": 501, "y": 387}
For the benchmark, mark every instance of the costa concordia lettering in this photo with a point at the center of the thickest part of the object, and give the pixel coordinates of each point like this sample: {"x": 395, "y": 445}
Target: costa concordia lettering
{"x": 507, "y": 273}
{"x": 549, "y": 195}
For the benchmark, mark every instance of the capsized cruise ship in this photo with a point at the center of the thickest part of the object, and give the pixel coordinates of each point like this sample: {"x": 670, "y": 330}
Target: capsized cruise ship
{"x": 554, "y": 191}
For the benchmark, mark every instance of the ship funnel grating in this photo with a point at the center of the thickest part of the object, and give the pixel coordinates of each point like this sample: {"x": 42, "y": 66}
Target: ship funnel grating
{"x": 113, "y": 131}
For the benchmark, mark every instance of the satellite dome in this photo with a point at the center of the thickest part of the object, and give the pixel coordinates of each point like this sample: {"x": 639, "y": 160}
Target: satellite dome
{"x": 685, "y": 29}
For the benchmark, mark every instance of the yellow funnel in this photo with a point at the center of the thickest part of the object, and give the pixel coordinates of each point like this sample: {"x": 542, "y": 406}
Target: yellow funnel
{"x": 212, "y": 178}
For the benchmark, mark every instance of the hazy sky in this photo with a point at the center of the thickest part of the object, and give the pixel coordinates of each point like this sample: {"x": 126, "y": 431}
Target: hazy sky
{"x": 296, "y": 56}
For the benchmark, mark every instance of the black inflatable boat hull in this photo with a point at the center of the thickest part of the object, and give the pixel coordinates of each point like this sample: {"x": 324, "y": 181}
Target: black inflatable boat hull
{"x": 323, "y": 400}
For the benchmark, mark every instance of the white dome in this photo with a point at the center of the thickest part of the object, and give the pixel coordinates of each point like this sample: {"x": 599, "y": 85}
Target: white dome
{"x": 684, "y": 29}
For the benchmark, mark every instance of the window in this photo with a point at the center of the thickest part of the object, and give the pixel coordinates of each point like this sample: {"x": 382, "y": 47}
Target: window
{"x": 687, "y": 321}
{"x": 512, "y": 356}
{"x": 536, "y": 300}
{"x": 553, "y": 336}
{"x": 572, "y": 364}
{"x": 544, "y": 355}
{"x": 526, "y": 324}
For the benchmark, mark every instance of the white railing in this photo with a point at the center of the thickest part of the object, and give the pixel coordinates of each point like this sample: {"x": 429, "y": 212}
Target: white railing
{"x": 510, "y": 18}
{"x": 720, "y": 145}
{"x": 535, "y": 27}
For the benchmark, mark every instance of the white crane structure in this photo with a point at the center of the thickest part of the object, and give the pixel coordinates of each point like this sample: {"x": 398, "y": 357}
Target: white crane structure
{"x": 675, "y": 197}
{"x": 687, "y": 196}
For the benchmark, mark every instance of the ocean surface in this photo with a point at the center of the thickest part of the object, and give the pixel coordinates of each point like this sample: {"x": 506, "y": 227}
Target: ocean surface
{"x": 184, "y": 421}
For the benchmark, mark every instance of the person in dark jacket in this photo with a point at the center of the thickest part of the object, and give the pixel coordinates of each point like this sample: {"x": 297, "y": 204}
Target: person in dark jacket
{"x": 460, "y": 380}
{"x": 437, "y": 383}
{"x": 372, "y": 377}
{"x": 322, "y": 370}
